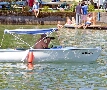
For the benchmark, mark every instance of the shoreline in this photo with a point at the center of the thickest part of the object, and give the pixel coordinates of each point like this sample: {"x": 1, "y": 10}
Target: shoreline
{"x": 46, "y": 20}
{"x": 31, "y": 20}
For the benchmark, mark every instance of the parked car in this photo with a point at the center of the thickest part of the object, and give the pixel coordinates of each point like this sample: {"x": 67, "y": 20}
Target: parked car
{"x": 18, "y": 4}
{"x": 4, "y": 5}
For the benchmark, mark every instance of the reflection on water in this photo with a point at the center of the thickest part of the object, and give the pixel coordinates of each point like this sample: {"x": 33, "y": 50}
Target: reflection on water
{"x": 82, "y": 38}
{"x": 51, "y": 76}
{"x": 61, "y": 76}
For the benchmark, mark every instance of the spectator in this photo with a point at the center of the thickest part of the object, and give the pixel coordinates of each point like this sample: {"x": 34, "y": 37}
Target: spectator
{"x": 40, "y": 3}
{"x": 36, "y": 8}
{"x": 73, "y": 21}
{"x": 30, "y": 2}
{"x": 89, "y": 21}
{"x": 69, "y": 21}
{"x": 59, "y": 25}
{"x": 84, "y": 12}
{"x": 78, "y": 10}
{"x": 62, "y": 6}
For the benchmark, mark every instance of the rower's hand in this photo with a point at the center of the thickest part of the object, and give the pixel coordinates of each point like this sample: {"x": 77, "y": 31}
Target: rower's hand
{"x": 48, "y": 39}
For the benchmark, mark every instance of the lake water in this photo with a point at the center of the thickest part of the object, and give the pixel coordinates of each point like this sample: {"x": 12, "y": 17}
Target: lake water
{"x": 61, "y": 76}
{"x": 52, "y": 76}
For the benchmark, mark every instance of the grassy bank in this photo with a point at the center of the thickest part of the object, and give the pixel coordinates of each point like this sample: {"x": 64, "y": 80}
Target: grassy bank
{"x": 10, "y": 41}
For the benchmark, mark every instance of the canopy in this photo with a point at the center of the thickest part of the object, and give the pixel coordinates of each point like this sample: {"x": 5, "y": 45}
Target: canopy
{"x": 30, "y": 31}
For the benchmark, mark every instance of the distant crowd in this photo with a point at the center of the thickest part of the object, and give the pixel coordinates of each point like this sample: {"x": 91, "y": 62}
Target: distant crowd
{"x": 83, "y": 18}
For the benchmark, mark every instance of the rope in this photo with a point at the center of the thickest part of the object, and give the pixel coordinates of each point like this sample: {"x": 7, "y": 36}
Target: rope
{"x": 21, "y": 40}
{"x": 2, "y": 41}
{"x": 31, "y": 47}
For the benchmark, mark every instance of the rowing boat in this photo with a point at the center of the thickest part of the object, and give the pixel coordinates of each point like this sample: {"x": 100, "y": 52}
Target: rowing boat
{"x": 54, "y": 54}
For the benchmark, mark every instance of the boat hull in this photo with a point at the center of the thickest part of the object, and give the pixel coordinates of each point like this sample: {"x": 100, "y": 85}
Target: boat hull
{"x": 67, "y": 54}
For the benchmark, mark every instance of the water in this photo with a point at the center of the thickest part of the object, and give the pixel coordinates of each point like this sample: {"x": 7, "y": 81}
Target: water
{"x": 51, "y": 76}
{"x": 61, "y": 76}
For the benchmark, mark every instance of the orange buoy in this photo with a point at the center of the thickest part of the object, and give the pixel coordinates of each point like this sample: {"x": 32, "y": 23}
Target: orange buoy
{"x": 30, "y": 66}
{"x": 30, "y": 57}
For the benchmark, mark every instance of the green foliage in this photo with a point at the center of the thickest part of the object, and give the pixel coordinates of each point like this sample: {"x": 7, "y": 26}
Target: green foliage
{"x": 100, "y": 10}
{"x": 45, "y": 8}
{"x": 17, "y": 10}
{"x": 72, "y": 7}
{"x": 90, "y": 8}
{"x": 26, "y": 8}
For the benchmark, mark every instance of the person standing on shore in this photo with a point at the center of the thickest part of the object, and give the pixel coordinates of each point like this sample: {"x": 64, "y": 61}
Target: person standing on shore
{"x": 84, "y": 12}
{"x": 30, "y": 3}
{"x": 78, "y": 10}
